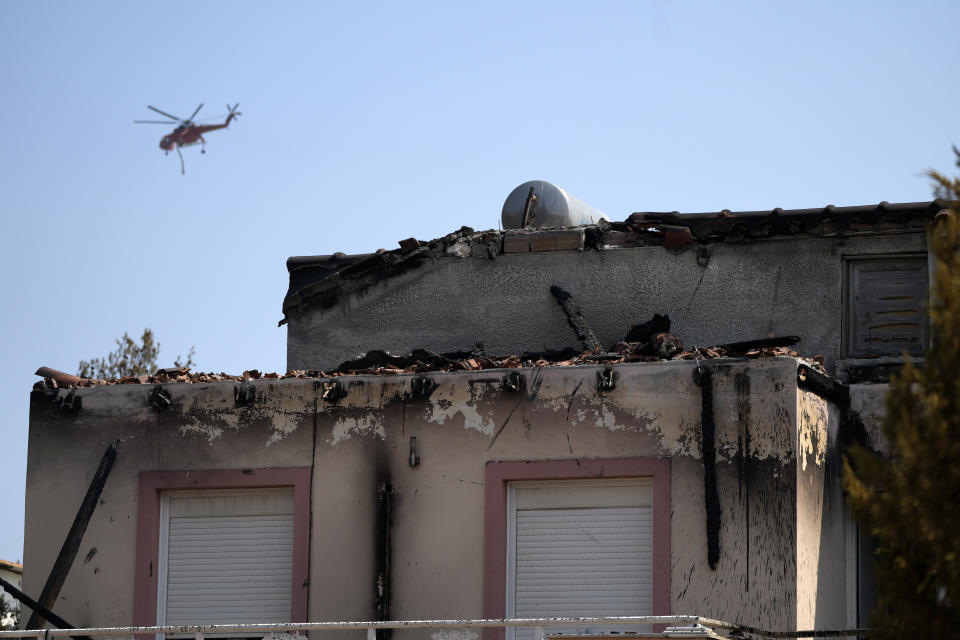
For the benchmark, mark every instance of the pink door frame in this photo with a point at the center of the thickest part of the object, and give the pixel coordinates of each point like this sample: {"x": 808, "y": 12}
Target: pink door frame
{"x": 152, "y": 483}
{"x": 498, "y": 474}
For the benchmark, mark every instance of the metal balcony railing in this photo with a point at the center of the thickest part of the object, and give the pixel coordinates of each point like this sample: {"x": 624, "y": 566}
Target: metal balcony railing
{"x": 679, "y": 626}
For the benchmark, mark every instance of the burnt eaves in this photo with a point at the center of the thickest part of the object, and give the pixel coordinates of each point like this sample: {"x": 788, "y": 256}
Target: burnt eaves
{"x": 319, "y": 278}
{"x": 305, "y": 270}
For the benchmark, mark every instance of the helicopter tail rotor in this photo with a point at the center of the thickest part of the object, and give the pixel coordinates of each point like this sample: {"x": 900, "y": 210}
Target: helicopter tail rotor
{"x": 233, "y": 113}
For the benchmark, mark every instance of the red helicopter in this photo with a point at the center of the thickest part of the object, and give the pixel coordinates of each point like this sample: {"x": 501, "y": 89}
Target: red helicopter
{"x": 188, "y": 132}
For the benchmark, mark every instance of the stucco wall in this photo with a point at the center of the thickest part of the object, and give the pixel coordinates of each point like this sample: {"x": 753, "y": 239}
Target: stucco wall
{"x": 868, "y": 402}
{"x": 360, "y": 445}
{"x": 200, "y": 431}
{"x": 789, "y": 287}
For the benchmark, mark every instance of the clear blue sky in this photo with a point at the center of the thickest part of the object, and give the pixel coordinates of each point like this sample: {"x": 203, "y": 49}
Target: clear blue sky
{"x": 368, "y": 123}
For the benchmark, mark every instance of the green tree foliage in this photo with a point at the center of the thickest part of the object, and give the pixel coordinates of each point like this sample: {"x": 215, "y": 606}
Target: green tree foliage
{"x": 908, "y": 499}
{"x": 130, "y": 358}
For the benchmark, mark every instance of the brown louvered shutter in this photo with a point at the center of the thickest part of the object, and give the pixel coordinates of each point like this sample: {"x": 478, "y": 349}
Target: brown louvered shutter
{"x": 887, "y": 306}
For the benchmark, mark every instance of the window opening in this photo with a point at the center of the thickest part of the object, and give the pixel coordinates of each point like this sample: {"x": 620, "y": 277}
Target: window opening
{"x": 885, "y": 305}
{"x": 579, "y": 548}
{"x": 226, "y": 556}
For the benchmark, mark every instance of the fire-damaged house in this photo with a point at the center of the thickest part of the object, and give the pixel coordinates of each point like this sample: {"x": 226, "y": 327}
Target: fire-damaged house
{"x": 605, "y": 419}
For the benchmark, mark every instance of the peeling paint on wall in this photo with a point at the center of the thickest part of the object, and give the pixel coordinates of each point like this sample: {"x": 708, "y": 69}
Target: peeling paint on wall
{"x": 208, "y": 425}
{"x": 811, "y": 429}
{"x": 283, "y": 423}
{"x": 359, "y": 424}
{"x": 649, "y": 398}
{"x": 450, "y": 400}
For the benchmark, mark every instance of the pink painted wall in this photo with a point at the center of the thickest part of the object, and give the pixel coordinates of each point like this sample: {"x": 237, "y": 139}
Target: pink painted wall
{"x": 447, "y": 519}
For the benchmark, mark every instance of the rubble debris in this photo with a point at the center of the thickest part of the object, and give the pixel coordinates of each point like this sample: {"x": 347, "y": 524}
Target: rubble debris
{"x": 650, "y": 338}
{"x": 644, "y": 331}
{"x": 676, "y": 237}
{"x": 763, "y": 343}
{"x": 409, "y": 244}
{"x": 459, "y": 248}
{"x": 659, "y": 346}
{"x": 664, "y": 345}
{"x": 575, "y": 319}
{"x": 378, "y": 359}
{"x": 172, "y": 371}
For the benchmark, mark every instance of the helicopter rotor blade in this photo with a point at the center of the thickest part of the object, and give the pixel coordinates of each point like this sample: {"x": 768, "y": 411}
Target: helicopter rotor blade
{"x": 152, "y": 122}
{"x": 164, "y": 113}
{"x": 190, "y": 119}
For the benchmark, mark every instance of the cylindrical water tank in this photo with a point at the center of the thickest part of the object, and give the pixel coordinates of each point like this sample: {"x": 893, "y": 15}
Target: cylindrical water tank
{"x": 543, "y": 204}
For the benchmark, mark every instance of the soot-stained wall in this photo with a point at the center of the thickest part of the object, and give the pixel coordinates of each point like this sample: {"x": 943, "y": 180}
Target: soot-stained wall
{"x": 391, "y": 540}
{"x": 741, "y": 292}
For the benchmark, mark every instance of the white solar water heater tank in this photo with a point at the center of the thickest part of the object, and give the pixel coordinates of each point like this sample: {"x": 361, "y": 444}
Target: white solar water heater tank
{"x": 544, "y": 204}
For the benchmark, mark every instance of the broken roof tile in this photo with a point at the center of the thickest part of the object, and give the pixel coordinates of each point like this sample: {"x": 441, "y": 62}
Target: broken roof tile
{"x": 442, "y": 363}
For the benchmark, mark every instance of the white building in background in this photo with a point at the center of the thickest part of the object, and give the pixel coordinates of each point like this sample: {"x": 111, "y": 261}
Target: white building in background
{"x": 12, "y": 572}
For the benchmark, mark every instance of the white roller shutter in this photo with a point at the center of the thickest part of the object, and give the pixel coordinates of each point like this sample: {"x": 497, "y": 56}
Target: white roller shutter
{"x": 580, "y": 548}
{"x": 226, "y": 556}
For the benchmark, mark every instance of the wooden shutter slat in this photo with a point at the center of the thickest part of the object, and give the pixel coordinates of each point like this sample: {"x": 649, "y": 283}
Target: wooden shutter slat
{"x": 887, "y": 300}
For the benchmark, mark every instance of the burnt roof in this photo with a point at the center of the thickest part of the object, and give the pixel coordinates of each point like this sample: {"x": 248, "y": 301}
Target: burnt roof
{"x": 318, "y": 278}
{"x": 423, "y": 361}
{"x": 819, "y": 221}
